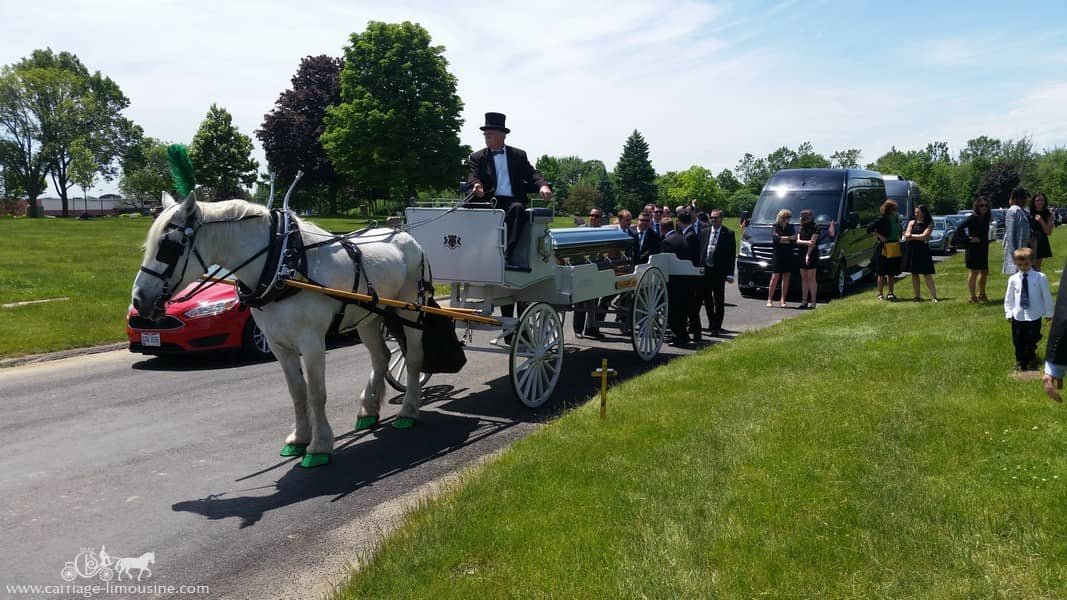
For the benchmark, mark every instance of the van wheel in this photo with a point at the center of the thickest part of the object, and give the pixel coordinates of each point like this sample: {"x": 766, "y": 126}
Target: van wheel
{"x": 842, "y": 281}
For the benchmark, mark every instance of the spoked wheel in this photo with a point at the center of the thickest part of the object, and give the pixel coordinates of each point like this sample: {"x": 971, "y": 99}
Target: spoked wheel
{"x": 649, "y": 316}
{"x": 397, "y": 373}
{"x": 536, "y": 355}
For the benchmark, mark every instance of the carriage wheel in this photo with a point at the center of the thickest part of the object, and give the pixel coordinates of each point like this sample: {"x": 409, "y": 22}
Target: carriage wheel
{"x": 536, "y": 355}
{"x": 649, "y": 314}
{"x": 397, "y": 373}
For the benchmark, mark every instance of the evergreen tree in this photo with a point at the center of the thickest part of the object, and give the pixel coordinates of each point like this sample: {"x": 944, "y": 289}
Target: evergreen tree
{"x": 635, "y": 177}
{"x": 222, "y": 156}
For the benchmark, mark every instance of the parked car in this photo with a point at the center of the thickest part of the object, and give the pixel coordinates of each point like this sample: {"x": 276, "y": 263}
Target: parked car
{"x": 997, "y": 227}
{"x": 941, "y": 238}
{"x": 954, "y": 224}
{"x": 211, "y": 321}
{"x": 1061, "y": 215}
{"x": 849, "y": 198}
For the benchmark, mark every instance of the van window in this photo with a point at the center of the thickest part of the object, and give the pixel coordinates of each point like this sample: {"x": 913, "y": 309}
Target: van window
{"x": 867, "y": 203}
{"x": 824, "y": 203}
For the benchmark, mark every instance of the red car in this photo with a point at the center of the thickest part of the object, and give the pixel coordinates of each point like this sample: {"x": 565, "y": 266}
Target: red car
{"x": 213, "y": 320}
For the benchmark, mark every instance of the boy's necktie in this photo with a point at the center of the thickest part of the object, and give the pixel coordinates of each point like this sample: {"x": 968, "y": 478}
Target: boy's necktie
{"x": 1024, "y": 299}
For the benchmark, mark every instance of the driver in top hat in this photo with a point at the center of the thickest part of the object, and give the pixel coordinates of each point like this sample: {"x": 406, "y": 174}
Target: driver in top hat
{"x": 504, "y": 173}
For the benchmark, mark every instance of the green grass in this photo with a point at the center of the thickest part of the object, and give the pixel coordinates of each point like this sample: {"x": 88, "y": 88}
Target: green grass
{"x": 867, "y": 449}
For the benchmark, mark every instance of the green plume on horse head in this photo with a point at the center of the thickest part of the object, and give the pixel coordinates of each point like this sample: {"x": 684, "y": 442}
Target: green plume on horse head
{"x": 181, "y": 169}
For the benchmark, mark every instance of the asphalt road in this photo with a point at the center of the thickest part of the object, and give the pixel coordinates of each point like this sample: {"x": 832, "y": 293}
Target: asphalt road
{"x": 180, "y": 457}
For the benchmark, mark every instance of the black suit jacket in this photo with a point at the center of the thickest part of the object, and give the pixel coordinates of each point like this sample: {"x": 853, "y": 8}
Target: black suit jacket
{"x": 650, "y": 246}
{"x": 682, "y": 246}
{"x": 525, "y": 179}
{"x": 722, "y": 262}
{"x": 1056, "y": 352}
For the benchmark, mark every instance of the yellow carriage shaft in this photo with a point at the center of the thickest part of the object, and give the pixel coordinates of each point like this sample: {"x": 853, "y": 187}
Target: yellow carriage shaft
{"x": 454, "y": 314}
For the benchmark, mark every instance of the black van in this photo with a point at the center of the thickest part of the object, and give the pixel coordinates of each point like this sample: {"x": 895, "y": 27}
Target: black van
{"x": 848, "y": 197}
{"x": 906, "y": 193}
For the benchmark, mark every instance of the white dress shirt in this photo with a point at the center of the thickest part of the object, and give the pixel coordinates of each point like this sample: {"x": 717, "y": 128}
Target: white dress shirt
{"x": 503, "y": 178}
{"x": 1040, "y": 297}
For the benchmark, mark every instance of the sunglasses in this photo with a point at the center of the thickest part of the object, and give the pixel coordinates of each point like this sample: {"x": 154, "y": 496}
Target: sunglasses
{"x": 594, "y": 216}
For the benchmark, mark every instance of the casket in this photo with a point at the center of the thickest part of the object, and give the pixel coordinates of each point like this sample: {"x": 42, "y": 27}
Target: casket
{"x": 607, "y": 247}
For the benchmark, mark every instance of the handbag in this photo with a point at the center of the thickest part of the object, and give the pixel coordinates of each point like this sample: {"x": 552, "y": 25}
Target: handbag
{"x": 891, "y": 250}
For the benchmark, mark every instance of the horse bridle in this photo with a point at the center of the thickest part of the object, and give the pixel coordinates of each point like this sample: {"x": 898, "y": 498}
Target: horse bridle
{"x": 171, "y": 251}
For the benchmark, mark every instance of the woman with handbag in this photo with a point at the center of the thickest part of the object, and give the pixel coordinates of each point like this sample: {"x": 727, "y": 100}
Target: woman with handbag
{"x": 973, "y": 234}
{"x": 888, "y": 252}
{"x": 920, "y": 261}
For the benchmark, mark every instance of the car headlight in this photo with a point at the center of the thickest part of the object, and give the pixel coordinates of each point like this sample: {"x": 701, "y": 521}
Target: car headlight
{"x": 208, "y": 309}
{"x": 746, "y": 249}
{"x": 936, "y": 235}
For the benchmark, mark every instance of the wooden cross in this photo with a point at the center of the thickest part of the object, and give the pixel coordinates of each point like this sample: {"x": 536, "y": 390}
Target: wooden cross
{"x": 603, "y": 373}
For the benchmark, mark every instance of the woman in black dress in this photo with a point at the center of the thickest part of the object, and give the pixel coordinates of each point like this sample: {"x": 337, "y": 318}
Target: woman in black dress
{"x": 973, "y": 234}
{"x": 785, "y": 245}
{"x": 808, "y": 241}
{"x": 886, "y": 255}
{"x": 918, "y": 258}
{"x": 1041, "y": 224}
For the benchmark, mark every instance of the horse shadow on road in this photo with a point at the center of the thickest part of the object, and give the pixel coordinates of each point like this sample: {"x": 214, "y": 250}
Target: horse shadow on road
{"x": 453, "y": 419}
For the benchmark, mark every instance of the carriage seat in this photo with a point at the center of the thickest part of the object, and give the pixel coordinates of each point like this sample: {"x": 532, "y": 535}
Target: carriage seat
{"x": 520, "y": 258}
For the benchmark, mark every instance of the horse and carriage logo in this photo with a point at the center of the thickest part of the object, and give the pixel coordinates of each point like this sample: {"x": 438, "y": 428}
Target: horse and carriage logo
{"x": 89, "y": 564}
{"x": 453, "y": 241}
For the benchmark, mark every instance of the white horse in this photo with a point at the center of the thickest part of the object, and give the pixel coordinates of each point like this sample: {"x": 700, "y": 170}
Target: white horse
{"x": 125, "y": 565}
{"x": 227, "y": 234}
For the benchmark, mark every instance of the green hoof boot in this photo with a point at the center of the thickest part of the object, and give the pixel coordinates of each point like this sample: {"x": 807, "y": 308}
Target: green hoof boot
{"x": 367, "y": 422}
{"x": 403, "y": 423}
{"x": 315, "y": 459}
{"x": 294, "y": 449}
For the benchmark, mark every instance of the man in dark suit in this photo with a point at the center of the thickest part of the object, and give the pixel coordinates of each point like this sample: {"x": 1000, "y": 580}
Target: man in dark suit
{"x": 646, "y": 241}
{"x": 1056, "y": 351}
{"x": 717, "y": 247}
{"x": 504, "y": 173}
{"x": 681, "y": 308}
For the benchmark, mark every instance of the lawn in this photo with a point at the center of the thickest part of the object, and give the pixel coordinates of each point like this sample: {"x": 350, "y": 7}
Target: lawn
{"x": 866, "y": 449}
{"x": 91, "y": 262}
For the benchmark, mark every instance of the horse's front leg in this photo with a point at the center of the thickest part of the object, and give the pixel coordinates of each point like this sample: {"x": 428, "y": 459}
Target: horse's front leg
{"x": 313, "y": 350}
{"x": 370, "y": 400}
{"x": 413, "y": 396}
{"x": 297, "y": 442}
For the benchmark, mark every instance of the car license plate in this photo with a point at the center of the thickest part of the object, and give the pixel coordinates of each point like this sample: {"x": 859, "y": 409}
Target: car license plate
{"x": 150, "y": 339}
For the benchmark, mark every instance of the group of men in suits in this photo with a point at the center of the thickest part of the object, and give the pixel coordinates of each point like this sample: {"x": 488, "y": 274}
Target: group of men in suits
{"x": 709, "y": 245}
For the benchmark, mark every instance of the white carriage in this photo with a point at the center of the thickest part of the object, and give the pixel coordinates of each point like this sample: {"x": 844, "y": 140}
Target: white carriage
{"x": 589, "y": 270}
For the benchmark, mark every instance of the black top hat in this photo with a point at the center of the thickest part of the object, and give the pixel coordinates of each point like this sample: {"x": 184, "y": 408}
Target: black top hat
{"x": 495, "y": 120}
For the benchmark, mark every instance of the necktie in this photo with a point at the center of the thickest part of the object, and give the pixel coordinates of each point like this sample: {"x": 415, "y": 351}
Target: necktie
{"x": 1024, "y": 299}
{"x": 640, "y": 242}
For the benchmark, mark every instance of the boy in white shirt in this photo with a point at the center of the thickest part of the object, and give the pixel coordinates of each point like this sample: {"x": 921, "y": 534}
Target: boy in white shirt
{"x": 1025, "y": 302}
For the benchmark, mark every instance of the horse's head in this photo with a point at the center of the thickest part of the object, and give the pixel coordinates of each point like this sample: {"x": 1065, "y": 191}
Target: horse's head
{"x": 168, "y": 264}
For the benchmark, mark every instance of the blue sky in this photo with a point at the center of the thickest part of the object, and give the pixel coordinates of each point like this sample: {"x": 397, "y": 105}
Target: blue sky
{"x": 705, "y": 82}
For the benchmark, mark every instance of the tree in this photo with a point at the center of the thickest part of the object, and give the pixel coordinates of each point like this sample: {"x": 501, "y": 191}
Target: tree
{"x": 846, "y": 159}
{"x": 75, "y": 107}
{"x": 754, "y": 172}
{"x": 998, "y": 182}
{"x": 83, "y": 168}
{"x": 21, "y": 150}
{"x": 584, "y": 197}
{"x": 981, "y": 147}
{"x": 635, "y": 177}
{"x": 222, "y": 155}
{"x": 741, "y": 200}
{"x": 146, "y": 172}
{"x": 696, "y": 183}
{"x": 727, "y": 182}
{"x": 396, "y": 128}
{"x": 1052, "y": 175}
{"x": 291, "y": 131}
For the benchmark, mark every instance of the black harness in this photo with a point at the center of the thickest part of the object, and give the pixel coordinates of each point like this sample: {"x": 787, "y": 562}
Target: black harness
{"x": 286, "y": 256}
